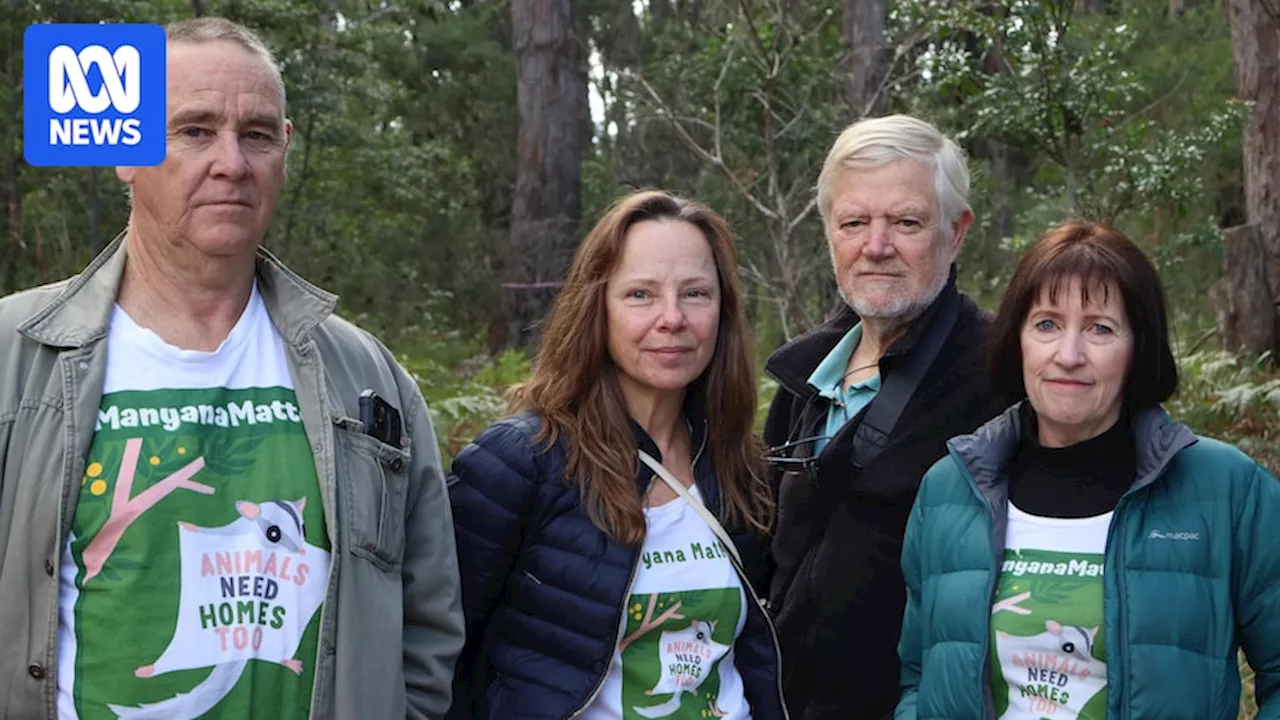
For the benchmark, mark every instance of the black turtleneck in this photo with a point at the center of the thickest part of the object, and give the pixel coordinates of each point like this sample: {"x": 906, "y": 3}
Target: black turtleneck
{"x": 1077, "y": 481}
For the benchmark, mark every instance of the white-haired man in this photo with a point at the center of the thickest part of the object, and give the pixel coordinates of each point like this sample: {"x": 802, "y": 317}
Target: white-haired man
{"x": 865, "y": 404}
{"x": 217, "y": 498}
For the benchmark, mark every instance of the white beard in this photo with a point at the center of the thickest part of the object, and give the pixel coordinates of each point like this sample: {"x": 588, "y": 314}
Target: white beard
{"x": 901, "y": 309}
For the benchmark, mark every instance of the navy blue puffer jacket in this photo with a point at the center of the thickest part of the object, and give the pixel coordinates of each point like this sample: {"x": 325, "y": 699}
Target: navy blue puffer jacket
{"x": 544, "y": 590}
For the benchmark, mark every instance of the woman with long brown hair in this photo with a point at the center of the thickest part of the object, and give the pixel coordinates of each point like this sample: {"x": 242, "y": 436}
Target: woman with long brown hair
{"x": 611, "y": 529}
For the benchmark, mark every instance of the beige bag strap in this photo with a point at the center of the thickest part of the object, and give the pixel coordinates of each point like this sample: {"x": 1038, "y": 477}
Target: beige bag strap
{"x": 696, "y": 504}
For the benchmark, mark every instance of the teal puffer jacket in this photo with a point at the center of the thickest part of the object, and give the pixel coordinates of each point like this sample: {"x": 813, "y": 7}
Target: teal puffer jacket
{"x": 1192, "y": 572}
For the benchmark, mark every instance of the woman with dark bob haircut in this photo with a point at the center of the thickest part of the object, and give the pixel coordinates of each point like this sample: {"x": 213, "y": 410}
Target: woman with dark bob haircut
{"x": 612, "y": 529}
{"x": 1083, "y": 555}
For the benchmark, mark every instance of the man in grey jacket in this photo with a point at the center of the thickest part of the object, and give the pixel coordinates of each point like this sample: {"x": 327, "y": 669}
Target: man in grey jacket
{"x": 217, "y": 498}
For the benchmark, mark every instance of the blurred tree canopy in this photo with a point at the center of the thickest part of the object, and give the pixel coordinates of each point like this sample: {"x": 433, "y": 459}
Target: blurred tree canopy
{"x": 405, "y": 198}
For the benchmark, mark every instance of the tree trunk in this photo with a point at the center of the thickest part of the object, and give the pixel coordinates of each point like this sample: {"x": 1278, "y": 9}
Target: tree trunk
{"x": 1254, "y": 288}
{"x": 621, "y": 51}
{"x": 550, "y": 100}
{"x": 1246, "y": 316}
{"x": 11, "y": 162}
{"x": 864, "y": 36}
{"x": 1003, "y": 202}
{"x": 1005, "y": 190}
{"x": 95, "y": 213}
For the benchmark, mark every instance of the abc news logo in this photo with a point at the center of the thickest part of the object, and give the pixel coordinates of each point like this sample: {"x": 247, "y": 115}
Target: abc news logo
{"x": 94, "y": 95}
{"x": 69, "y": 89}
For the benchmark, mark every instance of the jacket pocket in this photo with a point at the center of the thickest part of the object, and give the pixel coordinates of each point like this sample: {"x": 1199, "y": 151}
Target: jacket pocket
{"x": 373, "y": 483}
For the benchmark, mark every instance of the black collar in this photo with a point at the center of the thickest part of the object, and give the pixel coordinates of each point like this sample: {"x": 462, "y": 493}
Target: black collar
{"x": 695, "y": 411}
{"x": 793, "y": 363}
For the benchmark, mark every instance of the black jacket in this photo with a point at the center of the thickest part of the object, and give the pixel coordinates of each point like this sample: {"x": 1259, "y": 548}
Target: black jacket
{"x": 838, "y": 593}
{"x": 543, "y": 589}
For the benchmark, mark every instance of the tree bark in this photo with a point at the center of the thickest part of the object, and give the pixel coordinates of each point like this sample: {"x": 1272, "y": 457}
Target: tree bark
{"x": 1246, "y": 316}
{"x": 95, "y": 213}
{"x": 11, "y": 158}
{"x": 1003, "y": 196}
{"x": 864, "y": 35}
{"x": 1255, "y": 32}
{"x": 621, "y": 50}
{"x": 550, "y": 101}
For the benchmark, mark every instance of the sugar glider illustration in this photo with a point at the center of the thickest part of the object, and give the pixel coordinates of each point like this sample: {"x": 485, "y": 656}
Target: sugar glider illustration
{"x": 274, "y": 536}
{"x": 687, "y": 657}
{"x": 1070, "y": 654}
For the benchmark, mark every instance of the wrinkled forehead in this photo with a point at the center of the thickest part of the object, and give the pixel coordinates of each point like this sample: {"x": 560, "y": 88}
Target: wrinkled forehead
{"x": 898, "y": 183}
{"x": 203, "y": 71}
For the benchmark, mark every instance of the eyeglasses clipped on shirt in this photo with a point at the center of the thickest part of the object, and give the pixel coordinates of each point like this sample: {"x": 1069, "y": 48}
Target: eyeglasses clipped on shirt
{"x": 780, "y": 459}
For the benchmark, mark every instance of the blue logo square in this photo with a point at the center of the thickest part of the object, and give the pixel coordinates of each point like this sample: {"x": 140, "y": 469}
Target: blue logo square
{"x": 93, "y": 95}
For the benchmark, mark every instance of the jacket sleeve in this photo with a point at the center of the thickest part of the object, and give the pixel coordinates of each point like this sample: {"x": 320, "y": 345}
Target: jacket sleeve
{"x": 1257, "y": 557}
{"x": 432, "y": 635}
{"x": 491, "y": 490}
{"x": 909, "y": 645}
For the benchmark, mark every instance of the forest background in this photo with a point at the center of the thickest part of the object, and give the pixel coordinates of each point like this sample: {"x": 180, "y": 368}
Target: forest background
{"x": 448, "y": 157}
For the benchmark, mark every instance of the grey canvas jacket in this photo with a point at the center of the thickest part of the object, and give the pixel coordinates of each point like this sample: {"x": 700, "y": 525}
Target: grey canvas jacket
{"x": 391, "y": 623}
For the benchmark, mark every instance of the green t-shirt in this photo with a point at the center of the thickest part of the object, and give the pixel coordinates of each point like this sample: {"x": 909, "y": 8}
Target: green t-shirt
{"x": 198, "y": 559}
{"x": 1048, "y": 650}
{"x": 687, "y": 607}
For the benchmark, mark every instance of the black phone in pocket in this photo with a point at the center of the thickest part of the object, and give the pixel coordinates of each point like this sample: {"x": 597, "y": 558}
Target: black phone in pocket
{"x": 380, "y": 419}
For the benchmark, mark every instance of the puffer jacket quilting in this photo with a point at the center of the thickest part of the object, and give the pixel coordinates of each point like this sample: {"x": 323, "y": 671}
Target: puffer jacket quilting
{"x": 1192, "y": 568}
{"x": 543, "y": 588}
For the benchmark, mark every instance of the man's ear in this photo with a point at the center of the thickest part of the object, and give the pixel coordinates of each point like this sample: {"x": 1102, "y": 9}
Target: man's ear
{"x": 288, "y": 143}
{"x": 958, "y": 231}
{"x": 125, "y": 174}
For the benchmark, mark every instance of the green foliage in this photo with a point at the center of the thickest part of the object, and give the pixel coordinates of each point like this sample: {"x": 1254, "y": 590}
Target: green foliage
{"x": 464, "y": 387}
{"x": 1102, "y": 116}
{"x": 402, "y": 164}
{"x": 1234, "y": 399}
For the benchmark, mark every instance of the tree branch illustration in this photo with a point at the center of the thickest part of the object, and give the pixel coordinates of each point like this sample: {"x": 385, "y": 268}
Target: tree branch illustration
{"x": 651, "y": 622}
{"x": 1011, "y": 604}
{"x": 124, "y": 509}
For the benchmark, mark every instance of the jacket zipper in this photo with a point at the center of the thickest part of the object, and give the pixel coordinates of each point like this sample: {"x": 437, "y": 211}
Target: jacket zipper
{"x": 773, "y": 634}
{"x": 626, "y": 599}
{"x": 1112, "y": 532}
{"x": 742, "y": 576}
{"x": 984, "y": 679}
{"x": 698, "y": 454}
{"x": 617, "y": 624}
{"x": 755, "y": 597}
{"x": 986, "y": 639}
{"x": 1117, "y": 524}
{"x": 1117, "y": 520}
